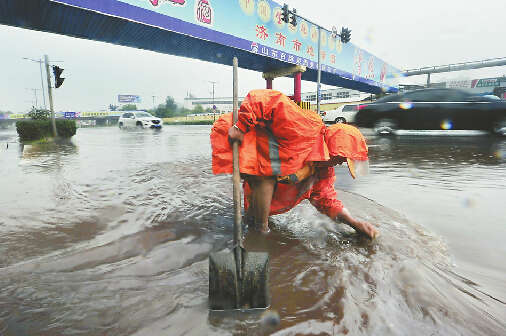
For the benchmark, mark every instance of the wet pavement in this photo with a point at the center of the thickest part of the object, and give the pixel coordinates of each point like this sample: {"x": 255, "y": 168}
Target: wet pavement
{"x": 109, "y": 234}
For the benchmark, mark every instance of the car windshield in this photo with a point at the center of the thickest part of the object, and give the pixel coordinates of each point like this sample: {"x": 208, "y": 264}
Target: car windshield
{"x": 143, "y": 115}
{"x": 349, "y": 108}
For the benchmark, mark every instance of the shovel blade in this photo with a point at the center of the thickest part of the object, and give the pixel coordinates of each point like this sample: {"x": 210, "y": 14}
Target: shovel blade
{"x": 224, "y": 286}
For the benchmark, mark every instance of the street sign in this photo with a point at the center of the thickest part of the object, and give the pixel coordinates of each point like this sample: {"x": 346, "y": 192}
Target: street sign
{"x": 69, "y": 115}
{"x": 214, "y": 107}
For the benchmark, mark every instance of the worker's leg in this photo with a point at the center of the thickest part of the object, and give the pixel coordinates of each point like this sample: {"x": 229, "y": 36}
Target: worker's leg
{"x": 262, "y": 190}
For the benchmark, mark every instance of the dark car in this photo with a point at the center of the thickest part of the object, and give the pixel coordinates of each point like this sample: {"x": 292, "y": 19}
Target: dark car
{"x": 433, "y": 109}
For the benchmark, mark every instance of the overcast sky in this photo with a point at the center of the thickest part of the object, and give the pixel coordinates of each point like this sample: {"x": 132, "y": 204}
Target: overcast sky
{"x": 406, "y": 34}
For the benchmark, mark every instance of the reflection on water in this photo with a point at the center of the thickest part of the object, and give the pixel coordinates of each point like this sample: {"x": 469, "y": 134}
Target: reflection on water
{"x": 110, "y": 234}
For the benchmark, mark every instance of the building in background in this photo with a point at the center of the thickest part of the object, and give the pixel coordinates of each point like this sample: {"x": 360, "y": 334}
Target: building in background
{"x": 330, "y": 99}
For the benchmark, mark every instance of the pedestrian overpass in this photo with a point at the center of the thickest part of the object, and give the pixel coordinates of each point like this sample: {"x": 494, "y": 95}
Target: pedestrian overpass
{"x": 210, "y": 30}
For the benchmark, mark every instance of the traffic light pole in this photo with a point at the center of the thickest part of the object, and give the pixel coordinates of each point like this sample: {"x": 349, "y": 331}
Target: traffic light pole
{"x": 318, "y": 87}
{"x": 50, "y": 96}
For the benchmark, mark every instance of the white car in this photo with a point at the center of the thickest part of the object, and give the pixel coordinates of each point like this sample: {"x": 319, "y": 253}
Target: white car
{"x": 343, "y": 114}
{"x": 140, "y": 119}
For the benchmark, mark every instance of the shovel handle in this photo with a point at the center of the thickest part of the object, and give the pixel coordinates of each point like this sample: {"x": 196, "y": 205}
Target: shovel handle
{"x": 236, "y": 179}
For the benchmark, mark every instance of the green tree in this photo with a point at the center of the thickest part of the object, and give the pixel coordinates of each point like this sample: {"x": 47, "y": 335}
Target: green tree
{"x": 198, "y": 109}
{"x": 162, "y": 112}
{"x": 38, "y": 114}
{"x": 128, "y": 107}
{"x": 168, "y": 109}
{"x": 170, "y": 104}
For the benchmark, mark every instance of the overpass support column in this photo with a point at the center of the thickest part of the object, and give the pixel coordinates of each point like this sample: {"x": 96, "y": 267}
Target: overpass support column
{"x": 428, "y": 79}
{"x": 295, "y": 70}
{"x": 297, "y": 87}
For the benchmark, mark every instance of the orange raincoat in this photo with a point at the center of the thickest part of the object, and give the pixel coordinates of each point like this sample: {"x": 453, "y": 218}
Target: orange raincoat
{"x": 280, "y": 139}
{"x": 286, "y": 138}
{"x": 318, "y": 189}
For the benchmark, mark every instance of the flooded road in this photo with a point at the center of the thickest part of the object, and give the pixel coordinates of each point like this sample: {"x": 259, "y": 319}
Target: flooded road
{"x": 109, "y": 234}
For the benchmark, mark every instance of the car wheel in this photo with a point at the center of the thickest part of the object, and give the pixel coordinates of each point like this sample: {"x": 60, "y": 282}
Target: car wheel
{"x": 385, "y": 127}
{"x": 499, "y": 127}
{"x": 139, "y": 124}
{"x": 340, "y": 120}
{"x": 120, "y": 125}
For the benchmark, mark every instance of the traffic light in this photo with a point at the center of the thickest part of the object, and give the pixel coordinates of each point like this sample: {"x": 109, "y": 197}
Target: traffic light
{"x": 58, "y": 81}
{"x": 345, "y": 35}
{"x": 293, "y": 21}
{"x": 284, "y": 13}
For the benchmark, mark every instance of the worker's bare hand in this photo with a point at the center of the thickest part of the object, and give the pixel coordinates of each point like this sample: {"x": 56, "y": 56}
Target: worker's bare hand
{"x": 360, "y": 226}
{"x": 366, "y": 228}
{"x": 235, "y": 134}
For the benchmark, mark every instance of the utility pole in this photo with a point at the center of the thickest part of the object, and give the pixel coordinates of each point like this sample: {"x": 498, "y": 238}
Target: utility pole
{"x": 153, "y": 102}
{"x": 41, "y": 78}
{"x": 50, "y": 95}
{"x": 214, "y": 106}
{"x": 35, "y": 95}
{"x": 344, "y": 36}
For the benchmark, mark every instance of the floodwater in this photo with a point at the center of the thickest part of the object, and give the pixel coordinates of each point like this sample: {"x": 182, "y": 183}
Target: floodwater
{"x": 110, "y": 234}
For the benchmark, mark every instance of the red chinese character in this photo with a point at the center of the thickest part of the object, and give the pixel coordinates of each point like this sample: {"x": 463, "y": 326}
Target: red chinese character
{"x": 383, "y": 72}
{"x": 333, "y": 59}
{"x": 278, "y": 18}
{"x": 303, "y": 30}
{"x": 280, "y": 39}
{"x": 296, "y": 45}
{"x": 323, "y": 54}
{"x": 310, "y": 51}
{"x": 262, "y": 32}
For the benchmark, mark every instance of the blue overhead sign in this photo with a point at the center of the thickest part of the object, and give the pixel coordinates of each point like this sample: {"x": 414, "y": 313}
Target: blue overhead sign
{"x": 254, "y": 26}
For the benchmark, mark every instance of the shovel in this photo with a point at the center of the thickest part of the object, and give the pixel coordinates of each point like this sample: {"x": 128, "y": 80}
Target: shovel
{"x": 238, "y": 279}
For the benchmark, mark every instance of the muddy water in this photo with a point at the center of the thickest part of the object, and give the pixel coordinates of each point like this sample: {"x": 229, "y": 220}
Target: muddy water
{"x": 109, "y": 234}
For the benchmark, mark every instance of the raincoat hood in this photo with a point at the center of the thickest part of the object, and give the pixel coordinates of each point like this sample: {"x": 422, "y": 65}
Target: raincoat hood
{"x": 347, "y": 141}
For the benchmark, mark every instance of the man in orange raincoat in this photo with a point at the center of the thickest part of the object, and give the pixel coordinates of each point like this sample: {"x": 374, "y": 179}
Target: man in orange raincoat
{"x": 287, "y": 155}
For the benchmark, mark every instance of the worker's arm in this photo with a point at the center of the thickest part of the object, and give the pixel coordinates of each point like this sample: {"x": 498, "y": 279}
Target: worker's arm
{"x": 324, "y": 198}
{"x": 235, "y": 134}
{"x": 257, "y": 108}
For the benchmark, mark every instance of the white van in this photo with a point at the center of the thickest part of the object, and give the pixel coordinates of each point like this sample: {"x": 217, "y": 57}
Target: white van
{"x": 343, "y": 114}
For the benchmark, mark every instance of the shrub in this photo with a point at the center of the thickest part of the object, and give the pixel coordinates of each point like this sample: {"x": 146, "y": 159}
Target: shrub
{"x": 38, "y": 129}
{"x": 38, "y": 114}
{"x": 66, "y": 128}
